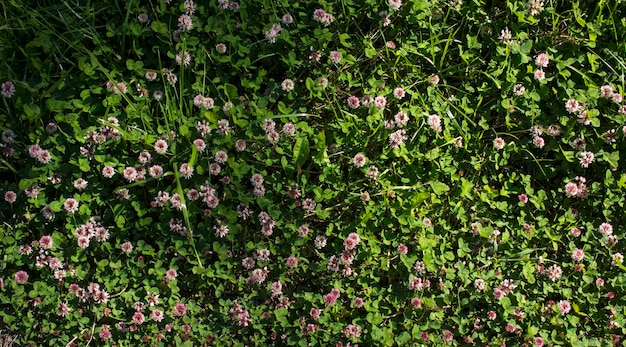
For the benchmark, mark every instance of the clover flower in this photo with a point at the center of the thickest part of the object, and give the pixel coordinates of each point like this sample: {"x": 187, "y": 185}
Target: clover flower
{"x": 401, "y": 119}
{"x": 606, "y": 229}
{"x": 138, "y": 318}
{"x": 353, "y": 102}
{"x": 395, "y": 4}
{"x": 127, "y": 247}
{"x": 45, "y": 242}
{"x": 499, "y": 143}
{"x": 287, "y": 85}
{"x": 64, "y": 309}
{"x": 160, "y": 146}
{"x": 535, "y": 7}
{"x": 157, "y": 315}
{"x": 179, "y": 309}
{"x": 323, "y": 17}
{"x": 185, "y": 23}
{"x": 606, "y": 91}
{"x": 335, "y": 57}
{"x": 220, "y": 48}
{"x": 70, "y": 205}
{"x": 183, "y": 58}
{"x": 564, "y": 307}
{"x": 542, "y": 60}
{"x": 359, "y": 160}
{"x": 435, "y": 122}
{"x": 399, "y": 93}
{"x": 292, "y": 261}
{"x": 539, "y": 142}
{"x": 21, "y": 277}
{"x": 397, "y": 138}
{"x": 273, "y": 32}
{"x": 505, "y": 36}
{"x": 380, "y": 102}
{"x": 7, "y": 89}
{"x": 10, "y": 196}
{"x": 287, "y": 19}
{"x": 170, "y": 275}
{"x": 578, "y": 254}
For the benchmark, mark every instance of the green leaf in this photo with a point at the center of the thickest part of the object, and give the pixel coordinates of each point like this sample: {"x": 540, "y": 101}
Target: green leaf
{"x": 180, "y": 249}
{"x": 281, "y": 316}
{"x": 528, "y": 272}
{"x": 300, "y": 151}
{"x": 467, "y": 188}
{"x": 56, "y": 206}
{"x": 310, "y": 84}
{"x": 282, "y": 108}
{"x": 505, "y": 302}
{"x": 568, "y": 155}
{"x": 370, "y": 52}
{"x": 120, "y": 221}
{"x": 343, "y": 40}
{"x": 611, "y": 158}
{"x": 83, "y": 164}
{"x": 377, "y": 334}
{"x": 194, "y": 155}
{"x": 388, "y": 337}
{"x": 439, "y": 187}
{"x": 622, "y": 181}
{"x": 526, "y": 47}
{"x": 403, "y": 339}
{"x": 159, "y": 27}
{"x": 485, "y": 231}
{"x": 102, "y": 264}
{"x": 231, "y": 91}
{"x": 30, "y": 111}
{"x": 532, "y": 331}
{"x": 184, "y": 130}
{"x": 429, "y": 262}
{"x": 130, "y": 64}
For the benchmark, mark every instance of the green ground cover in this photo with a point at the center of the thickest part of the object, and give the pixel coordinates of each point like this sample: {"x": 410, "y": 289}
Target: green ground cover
{"x": 271, "y": 172}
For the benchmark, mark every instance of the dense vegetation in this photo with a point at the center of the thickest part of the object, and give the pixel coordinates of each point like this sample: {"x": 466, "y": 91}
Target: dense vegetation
{"x": 312, "y": 172}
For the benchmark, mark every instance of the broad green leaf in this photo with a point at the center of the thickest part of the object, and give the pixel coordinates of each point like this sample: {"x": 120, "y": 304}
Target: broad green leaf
{"x": 466, "y": 188}
{"x": 439, "y": 187}
{"x": 120, "y": 221}
{"x": 528, "y": 272}
{"x": 612, "y": 158}
{"x": 300, "y": 151}
{"x": 281, "y": 316}
{"x": 159, "y": 27}
{"x": 343, "y": 39}
{"x": 83, "y": 164}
